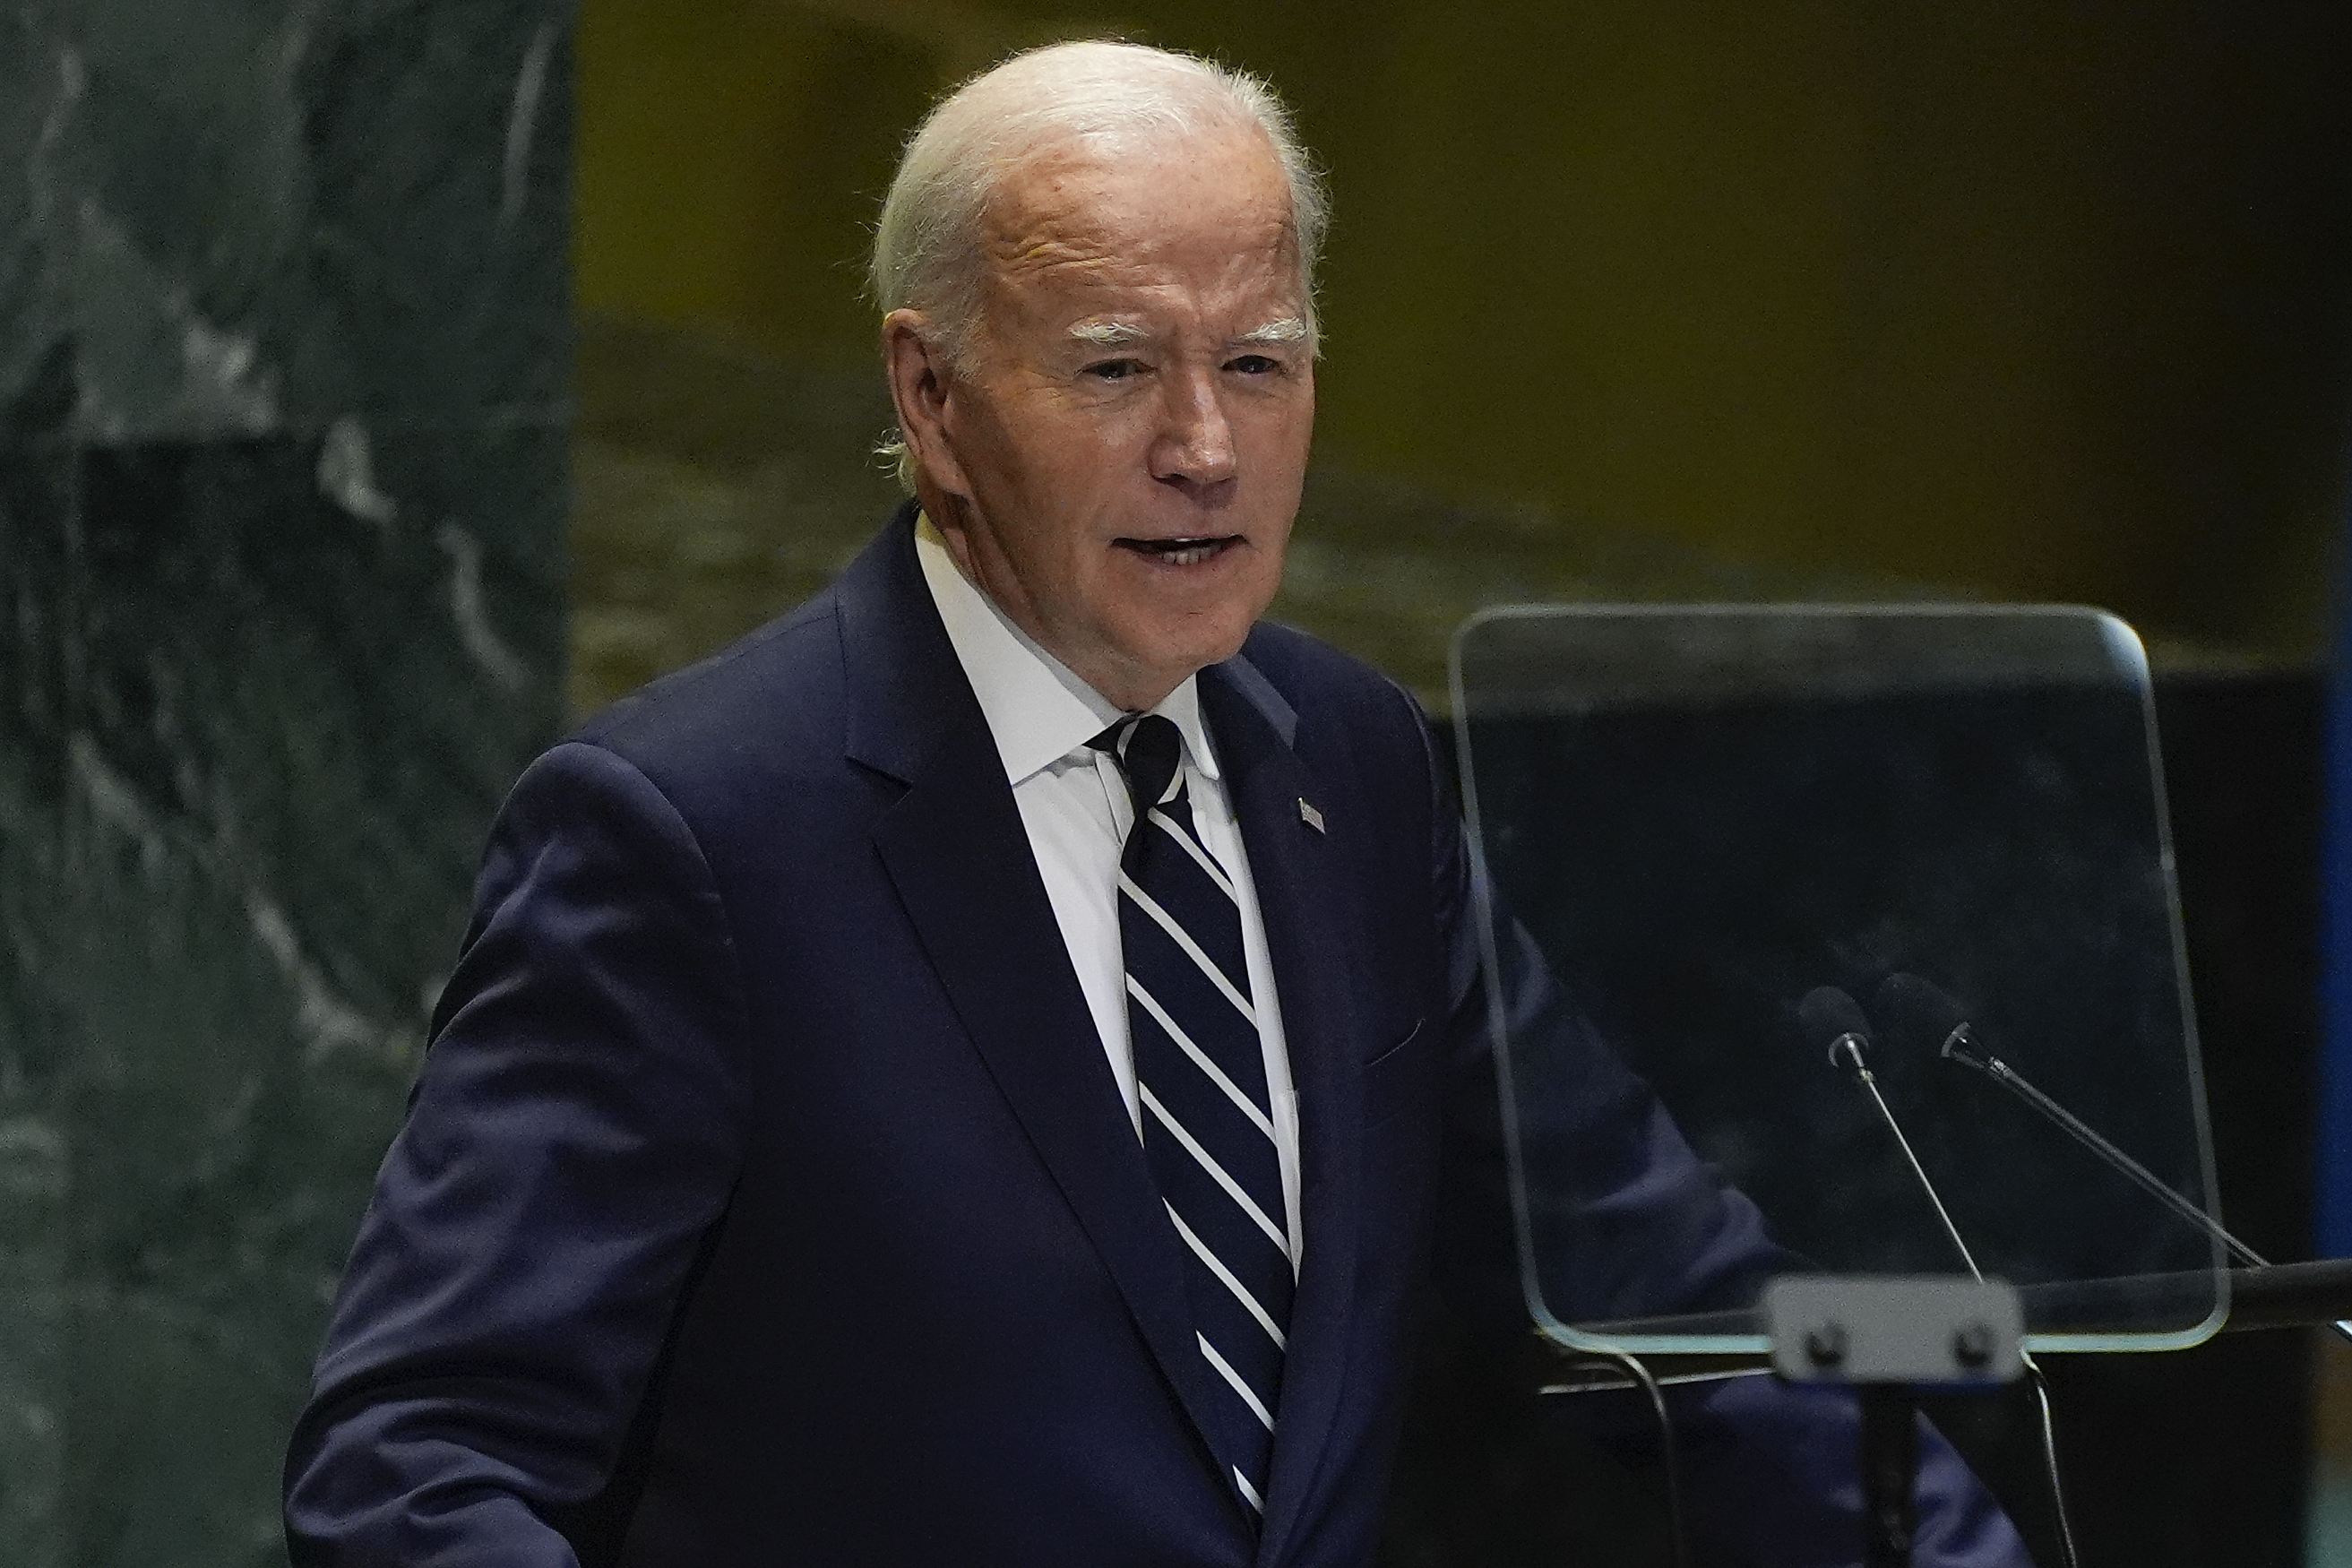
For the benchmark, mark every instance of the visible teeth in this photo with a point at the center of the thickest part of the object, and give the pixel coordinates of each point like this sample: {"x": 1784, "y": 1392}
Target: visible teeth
{"x": 1181, "y": 551}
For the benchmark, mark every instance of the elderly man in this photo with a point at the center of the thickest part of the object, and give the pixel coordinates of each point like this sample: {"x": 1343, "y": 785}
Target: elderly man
{"x": 958, "y": 1076}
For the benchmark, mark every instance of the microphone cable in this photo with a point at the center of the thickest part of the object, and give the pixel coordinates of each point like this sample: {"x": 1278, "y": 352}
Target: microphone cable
{"x": 2049, "y": 1456}
{"x": 1632, "y": 1367}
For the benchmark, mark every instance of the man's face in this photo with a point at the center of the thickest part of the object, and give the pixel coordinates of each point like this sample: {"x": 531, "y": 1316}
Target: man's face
{"x": 1118, "y": 461}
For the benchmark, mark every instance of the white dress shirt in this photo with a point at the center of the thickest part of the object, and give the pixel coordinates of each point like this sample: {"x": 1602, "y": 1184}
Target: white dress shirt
{"x": 1074, "y": 803}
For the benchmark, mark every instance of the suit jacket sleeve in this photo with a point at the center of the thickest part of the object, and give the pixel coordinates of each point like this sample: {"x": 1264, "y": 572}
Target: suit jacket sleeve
{"x": 572, "y": 1137}
{"x": 1770, "y": 1471}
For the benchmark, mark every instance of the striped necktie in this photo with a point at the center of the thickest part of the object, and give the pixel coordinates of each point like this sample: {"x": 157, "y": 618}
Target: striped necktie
{"x": 1200, "y": 1074}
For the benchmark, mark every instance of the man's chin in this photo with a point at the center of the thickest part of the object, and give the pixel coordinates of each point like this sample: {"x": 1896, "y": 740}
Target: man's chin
{"x": 1135, "y": 683}
{"x": 1199, "y": 654}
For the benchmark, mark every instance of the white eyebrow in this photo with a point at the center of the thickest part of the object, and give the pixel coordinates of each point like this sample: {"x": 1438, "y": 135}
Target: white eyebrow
{"x": 1289, "y": 330}
{"x": 1126, "y": 334}
{"x": 1109, "y": 334}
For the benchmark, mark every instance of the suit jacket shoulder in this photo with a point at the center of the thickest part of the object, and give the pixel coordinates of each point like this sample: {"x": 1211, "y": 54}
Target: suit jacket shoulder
{"x": 772, "y": 698}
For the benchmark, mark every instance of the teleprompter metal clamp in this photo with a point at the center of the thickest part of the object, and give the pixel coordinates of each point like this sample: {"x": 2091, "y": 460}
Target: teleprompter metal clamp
{"x": 1926, "y": 1330}
{"x": 1888, "y": 1336}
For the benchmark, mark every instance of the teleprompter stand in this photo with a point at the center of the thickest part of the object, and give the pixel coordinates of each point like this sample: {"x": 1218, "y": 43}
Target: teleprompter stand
{"x": 1887, "y": 1337}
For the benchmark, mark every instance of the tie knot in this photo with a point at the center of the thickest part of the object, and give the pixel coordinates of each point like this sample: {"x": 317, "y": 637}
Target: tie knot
{"x": 1148, "y": 748}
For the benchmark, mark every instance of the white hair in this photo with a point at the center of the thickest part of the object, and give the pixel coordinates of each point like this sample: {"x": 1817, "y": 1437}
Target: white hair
{"x": 1101, "y": 94}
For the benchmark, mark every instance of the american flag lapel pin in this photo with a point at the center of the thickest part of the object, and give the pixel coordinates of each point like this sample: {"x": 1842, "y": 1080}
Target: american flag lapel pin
{"x": 1310, "y": 816}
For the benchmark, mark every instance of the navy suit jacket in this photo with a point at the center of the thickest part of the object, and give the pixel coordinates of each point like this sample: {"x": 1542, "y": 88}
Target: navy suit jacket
{"x": 765, "y": 1196}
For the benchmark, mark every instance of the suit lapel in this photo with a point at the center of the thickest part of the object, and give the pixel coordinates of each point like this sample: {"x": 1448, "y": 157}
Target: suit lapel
{"x": 1307, "y": 905}
{"x": 958, "y": 857}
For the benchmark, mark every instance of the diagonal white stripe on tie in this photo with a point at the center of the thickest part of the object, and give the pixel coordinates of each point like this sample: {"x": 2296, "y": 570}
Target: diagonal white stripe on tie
{"x": 1233, "y": 1188}
{"x": 1225, "y": 1370}
{"x": 1200, "y": 1058}
{"x": 1200, "y": 854}
{"x": 1216, "y": 1266}
{"x": 1167, "y": 922}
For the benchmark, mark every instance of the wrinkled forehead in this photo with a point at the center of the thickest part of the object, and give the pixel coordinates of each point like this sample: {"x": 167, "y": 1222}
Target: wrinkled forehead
{"x": 1193, "y": 197}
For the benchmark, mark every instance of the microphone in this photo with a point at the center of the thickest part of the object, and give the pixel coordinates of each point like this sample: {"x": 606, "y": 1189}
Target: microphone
{"x": 1923, "y": 1011}
{"x": 1834, "y": 1024}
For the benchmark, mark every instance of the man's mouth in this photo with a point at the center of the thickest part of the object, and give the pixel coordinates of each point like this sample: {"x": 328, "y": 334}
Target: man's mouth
{"x": 1182, "y": 552}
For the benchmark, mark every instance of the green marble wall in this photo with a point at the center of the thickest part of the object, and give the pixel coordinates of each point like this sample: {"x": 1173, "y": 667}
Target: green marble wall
{"x": 283, "y": 348}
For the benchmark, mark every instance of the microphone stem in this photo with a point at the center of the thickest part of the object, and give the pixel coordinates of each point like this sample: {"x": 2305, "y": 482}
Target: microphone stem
{"x": 1870, "y": 1081}
{"x": 2001, "y": 1073}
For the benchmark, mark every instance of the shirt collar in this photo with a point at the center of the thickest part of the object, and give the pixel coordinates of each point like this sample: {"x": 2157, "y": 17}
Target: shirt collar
{"x": 1037, "y": 711}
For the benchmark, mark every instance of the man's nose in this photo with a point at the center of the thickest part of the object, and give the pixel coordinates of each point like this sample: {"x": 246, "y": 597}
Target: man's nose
{"x": 1196, "y": 444}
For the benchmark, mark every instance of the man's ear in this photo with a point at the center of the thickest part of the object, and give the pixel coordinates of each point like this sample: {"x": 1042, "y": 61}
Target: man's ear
{"x": 919, "y": 388}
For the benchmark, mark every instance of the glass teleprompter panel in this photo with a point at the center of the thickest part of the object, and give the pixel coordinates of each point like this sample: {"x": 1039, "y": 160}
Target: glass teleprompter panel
{"x": 1691, "y": 820}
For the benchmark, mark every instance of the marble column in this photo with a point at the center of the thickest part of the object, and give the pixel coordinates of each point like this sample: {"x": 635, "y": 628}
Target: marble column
{"x": 283, "y": 348}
